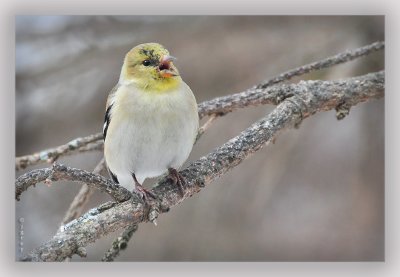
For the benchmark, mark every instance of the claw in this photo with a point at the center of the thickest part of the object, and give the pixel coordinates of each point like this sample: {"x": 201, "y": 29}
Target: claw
{"x": 177, "y": 179}
{"x": 143, "y": 192}
{"x": 150, "y": 205}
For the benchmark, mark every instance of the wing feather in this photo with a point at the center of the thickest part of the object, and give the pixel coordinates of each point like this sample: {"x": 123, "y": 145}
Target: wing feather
{"x": 109, "y": 105}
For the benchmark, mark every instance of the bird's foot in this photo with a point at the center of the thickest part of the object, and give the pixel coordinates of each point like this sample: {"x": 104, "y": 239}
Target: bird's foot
{"x": 150, "y": 205}
{"x": 177, "y": 179}
{"x": 143, "y": 192}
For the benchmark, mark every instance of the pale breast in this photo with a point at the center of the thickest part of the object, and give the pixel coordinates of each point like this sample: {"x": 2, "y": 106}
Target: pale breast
{"x": 149, "y": 132}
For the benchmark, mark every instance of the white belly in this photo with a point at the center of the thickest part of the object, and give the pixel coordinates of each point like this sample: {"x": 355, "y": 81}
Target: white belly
{"x": 150, "y": 133}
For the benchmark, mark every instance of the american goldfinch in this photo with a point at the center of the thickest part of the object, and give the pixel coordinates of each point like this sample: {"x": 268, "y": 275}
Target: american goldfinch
{"x": 151, "y": 120}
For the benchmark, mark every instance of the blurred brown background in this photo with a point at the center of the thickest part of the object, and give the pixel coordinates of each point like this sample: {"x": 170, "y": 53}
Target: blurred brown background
{"x": 316, "y": 194}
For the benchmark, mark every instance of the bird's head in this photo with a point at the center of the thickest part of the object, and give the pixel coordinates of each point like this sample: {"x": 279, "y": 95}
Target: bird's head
{"x": 150, "y": 66}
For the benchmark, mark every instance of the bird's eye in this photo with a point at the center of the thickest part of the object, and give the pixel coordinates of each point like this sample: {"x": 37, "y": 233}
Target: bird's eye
{"x": 146, "y": 62}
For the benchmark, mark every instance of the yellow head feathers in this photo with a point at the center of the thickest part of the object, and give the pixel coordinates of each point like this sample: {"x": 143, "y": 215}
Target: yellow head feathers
{"x": 150, "y": 67}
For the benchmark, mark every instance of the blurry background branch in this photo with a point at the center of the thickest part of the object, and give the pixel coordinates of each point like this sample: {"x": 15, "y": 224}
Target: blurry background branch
{"x": 51, "y": 155}
{"x": 302, "y": 100}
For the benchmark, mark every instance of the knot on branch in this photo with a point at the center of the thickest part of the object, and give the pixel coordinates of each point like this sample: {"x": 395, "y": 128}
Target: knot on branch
{"x": 342, "y": 110}
{"x": 103, "y": 207}
{"x": 299, "y": 100}
{"x": 153, "y": 214}
{"x": 81, "y": 252}
{"x": 296, "y": 110}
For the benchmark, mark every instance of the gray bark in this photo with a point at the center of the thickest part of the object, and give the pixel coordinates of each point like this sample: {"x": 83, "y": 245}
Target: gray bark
{"x": 295, "y": 103}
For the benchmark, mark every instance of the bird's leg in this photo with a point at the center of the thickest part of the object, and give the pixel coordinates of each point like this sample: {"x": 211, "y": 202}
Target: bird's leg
{"x": 177, "y": 179}
{"x": 142, "y": 191}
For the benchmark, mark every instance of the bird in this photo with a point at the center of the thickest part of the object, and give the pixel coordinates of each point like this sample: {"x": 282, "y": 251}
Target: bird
{"x": 151, "y": 120}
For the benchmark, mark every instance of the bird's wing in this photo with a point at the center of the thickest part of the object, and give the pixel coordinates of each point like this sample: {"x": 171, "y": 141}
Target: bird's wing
{"x": 109, "y": 105}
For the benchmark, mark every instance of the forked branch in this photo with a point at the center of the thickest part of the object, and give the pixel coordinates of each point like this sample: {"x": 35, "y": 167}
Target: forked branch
{"x": 297, "y": 102}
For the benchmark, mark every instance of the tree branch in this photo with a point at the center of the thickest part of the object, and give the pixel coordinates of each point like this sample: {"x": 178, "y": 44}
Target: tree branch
{"x": 120, "y": 243}
{"x": 325, "y": 63}
{"x": 301, "y": 101}
{"x": 51, "y": 155}
{"x": 60, "y": 172}
{"x": 256, "y": 95}
{"x": 206, "y": 125}
{"x": 218, "y": 106}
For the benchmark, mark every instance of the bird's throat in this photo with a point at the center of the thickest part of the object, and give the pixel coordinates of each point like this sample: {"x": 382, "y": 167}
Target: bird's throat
{"x": 150, "y": 83}
{"x": 160, "y": 85}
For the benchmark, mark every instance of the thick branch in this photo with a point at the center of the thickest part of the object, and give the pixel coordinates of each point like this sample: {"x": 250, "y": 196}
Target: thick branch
{"x": 218, "y": 106}
{"x": 308, "y": 98}
{"x": 60, "y": 172}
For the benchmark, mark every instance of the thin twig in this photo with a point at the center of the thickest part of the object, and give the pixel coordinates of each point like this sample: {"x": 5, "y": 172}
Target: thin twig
{"x": 93, "y": 146}
{"x": 51, "y": 155}
{"x": 325, "y": 63}
{"x": 206, "y": 125}
{"x": 256, "y": 95}
{"x": 120, "y": 243}
{"x": 308, "y": 98}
